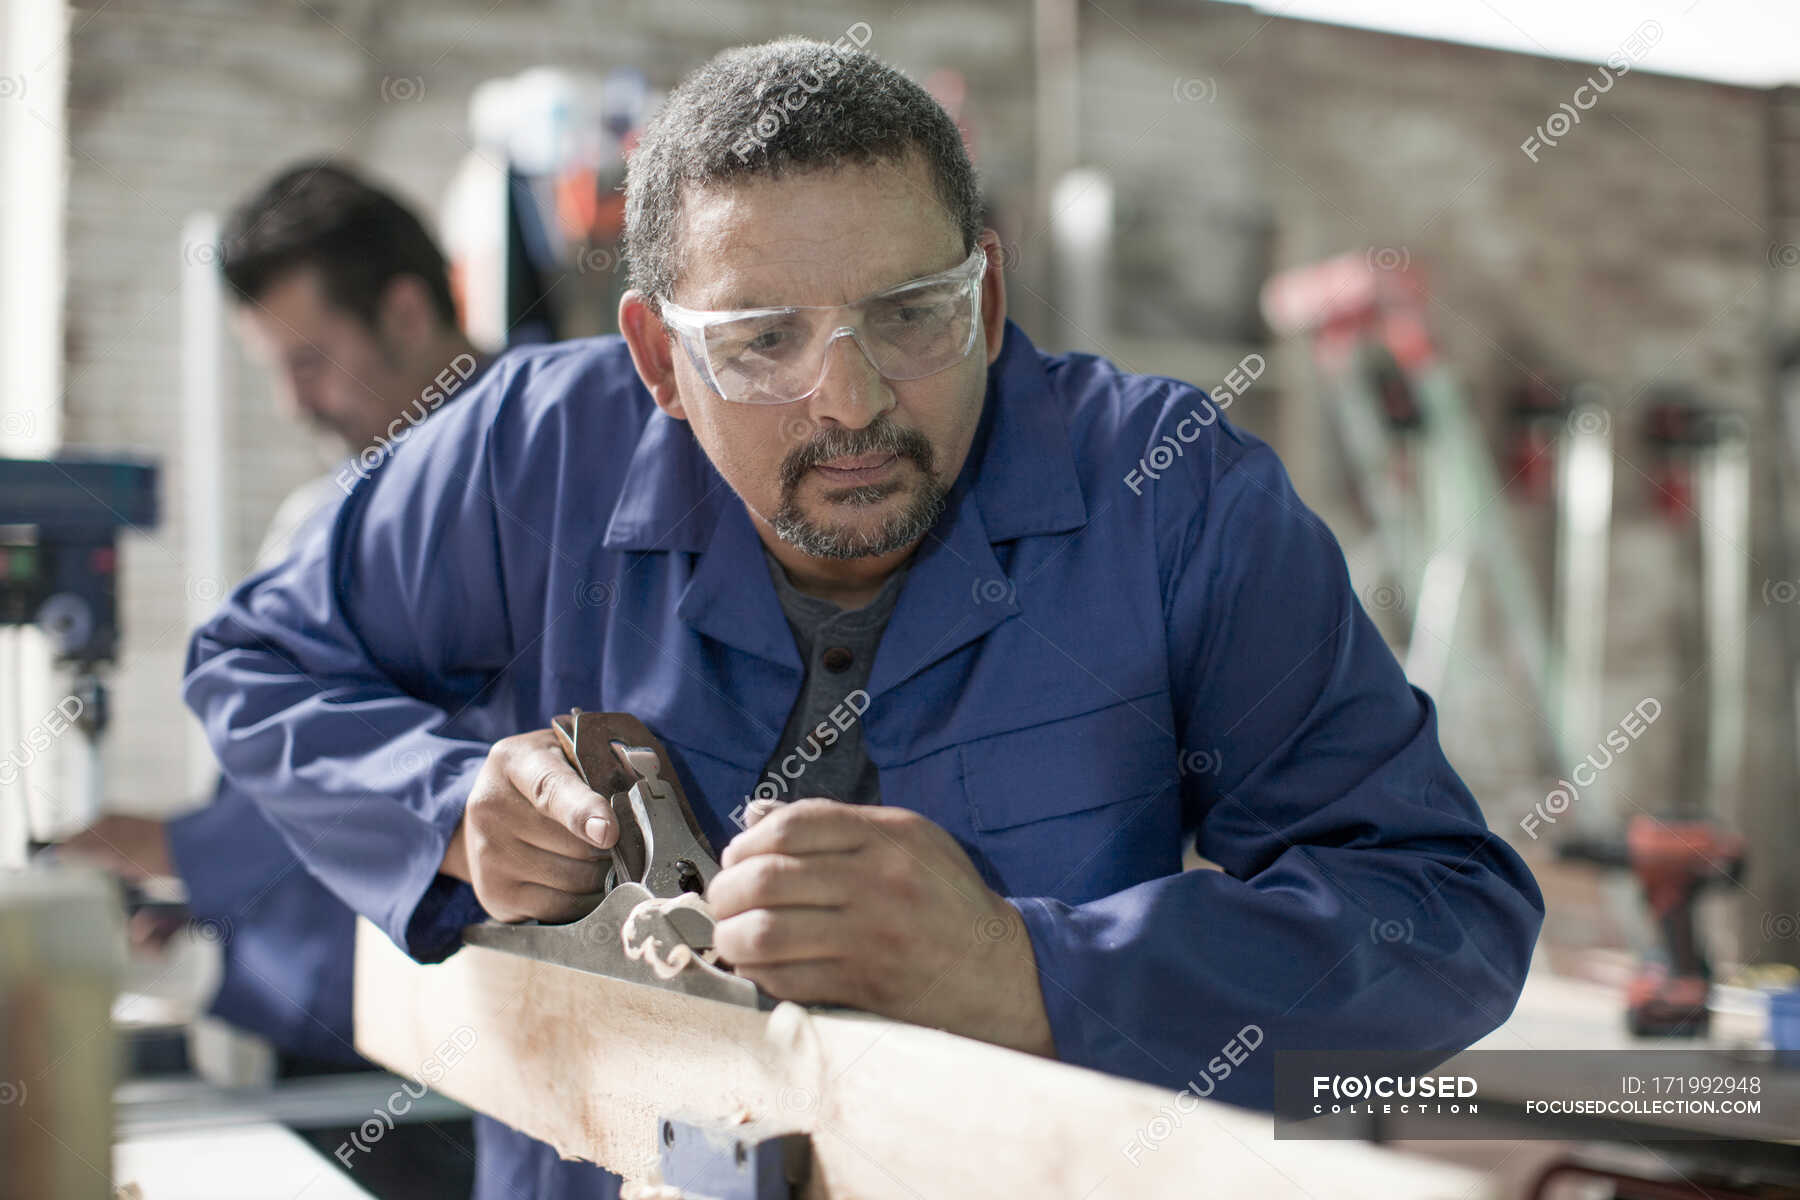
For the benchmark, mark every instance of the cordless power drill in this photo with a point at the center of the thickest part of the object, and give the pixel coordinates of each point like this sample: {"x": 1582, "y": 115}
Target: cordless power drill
{"x": 1673, "y": 860}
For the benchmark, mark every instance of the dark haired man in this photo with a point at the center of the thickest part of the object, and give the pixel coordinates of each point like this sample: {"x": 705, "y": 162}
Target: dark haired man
{"x": 822, "y": 472}
{"x": 344, "y": 297}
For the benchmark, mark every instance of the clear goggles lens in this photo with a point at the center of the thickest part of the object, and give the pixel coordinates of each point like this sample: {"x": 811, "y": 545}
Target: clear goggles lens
{"x": 777, "y": 355}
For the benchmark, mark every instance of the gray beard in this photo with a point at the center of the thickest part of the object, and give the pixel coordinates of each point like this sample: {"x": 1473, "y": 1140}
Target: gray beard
{"x": 834, "y": 541}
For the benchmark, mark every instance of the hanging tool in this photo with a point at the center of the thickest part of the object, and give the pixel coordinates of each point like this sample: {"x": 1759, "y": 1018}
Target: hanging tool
{"x": 1421, "y": 468}
{"x": 651, "y": 925}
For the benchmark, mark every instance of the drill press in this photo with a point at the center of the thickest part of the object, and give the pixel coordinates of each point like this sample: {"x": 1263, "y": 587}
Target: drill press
{"x": 59, "y": 525}
{"x": 61, "y": 937}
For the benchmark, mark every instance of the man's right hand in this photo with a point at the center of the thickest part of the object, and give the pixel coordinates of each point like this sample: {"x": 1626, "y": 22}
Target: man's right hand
{"x": 533, "y": 837}
{"x": 135, "y": 849}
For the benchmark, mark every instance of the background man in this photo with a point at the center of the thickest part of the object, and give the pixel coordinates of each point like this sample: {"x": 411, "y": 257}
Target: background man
{"x": 345, "y": 299}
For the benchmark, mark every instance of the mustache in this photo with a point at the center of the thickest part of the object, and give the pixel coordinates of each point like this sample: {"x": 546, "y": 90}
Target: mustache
{"x": 882, "y": 438}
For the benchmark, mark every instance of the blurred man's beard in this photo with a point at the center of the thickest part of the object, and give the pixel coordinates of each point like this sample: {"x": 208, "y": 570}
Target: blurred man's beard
{"x": 828, "y": 539}
{"x": 337, "y": 431}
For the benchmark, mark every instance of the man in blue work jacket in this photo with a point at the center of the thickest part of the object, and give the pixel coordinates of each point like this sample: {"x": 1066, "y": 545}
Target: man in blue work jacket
{"x": 832, "y": 527}
{"x": 344, "y": 297}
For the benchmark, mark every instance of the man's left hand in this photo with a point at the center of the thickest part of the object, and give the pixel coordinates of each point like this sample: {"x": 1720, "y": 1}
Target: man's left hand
{"x": 879, "y": 909}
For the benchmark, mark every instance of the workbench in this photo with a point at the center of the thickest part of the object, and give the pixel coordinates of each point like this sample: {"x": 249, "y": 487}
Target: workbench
{"x": 597, "y": 1067}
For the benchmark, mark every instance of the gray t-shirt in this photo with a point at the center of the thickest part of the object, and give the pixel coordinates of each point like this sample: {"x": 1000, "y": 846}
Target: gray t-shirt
{"x": 821, "y": 749}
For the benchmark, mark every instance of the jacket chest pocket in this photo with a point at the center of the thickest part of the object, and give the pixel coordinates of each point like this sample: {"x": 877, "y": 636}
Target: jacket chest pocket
{"x": 1078, "y": 807}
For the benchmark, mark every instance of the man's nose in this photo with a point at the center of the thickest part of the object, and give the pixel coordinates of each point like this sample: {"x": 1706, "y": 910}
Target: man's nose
{"x": 851, "y": 391}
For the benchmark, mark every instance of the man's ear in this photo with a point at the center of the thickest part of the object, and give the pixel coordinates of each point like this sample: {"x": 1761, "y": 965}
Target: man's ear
{"x": 407, "y": 319}
{"x": 652, "y": 351}
{"x": 993, "y": 293}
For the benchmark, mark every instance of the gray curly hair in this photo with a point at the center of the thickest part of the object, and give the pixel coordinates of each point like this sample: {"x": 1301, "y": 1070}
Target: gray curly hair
{"x": 783, "y": 106}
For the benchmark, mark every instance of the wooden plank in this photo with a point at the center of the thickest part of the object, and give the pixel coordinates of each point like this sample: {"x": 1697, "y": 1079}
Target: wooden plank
{"x": 589, "y": 1065}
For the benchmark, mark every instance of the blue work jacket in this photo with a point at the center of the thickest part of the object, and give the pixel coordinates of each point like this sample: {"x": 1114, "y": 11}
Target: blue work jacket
{"x": 1104, "y": 651}
{"x": 286, "y": 940}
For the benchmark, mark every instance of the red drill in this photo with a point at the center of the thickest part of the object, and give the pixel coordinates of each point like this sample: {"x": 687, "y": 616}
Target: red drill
{"x": 1672, "y": 859}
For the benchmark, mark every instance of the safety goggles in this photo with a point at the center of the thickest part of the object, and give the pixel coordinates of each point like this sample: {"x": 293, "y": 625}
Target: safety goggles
{"x": 777, "y": 355}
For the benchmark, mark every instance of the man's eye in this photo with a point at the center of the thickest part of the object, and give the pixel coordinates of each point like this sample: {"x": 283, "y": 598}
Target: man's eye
{"x": 760, "y": 339}
{"x": 905, "y": 315}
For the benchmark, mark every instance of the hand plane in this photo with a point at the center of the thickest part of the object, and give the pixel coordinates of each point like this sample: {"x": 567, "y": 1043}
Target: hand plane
{"x": 650, "y": 926}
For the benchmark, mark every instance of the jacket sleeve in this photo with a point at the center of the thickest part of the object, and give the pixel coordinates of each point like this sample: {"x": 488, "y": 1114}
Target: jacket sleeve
{"x": 286, "y": 942}
{"x": 338, "y": 688}
{"x": 226, "y": 852}
{"x": 1362, "y": 902}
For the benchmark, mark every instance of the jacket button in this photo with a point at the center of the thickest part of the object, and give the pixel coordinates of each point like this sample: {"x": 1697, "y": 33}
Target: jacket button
{"x": 837, "y": 659}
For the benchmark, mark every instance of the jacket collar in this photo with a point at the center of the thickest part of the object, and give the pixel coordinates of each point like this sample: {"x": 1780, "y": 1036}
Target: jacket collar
{"x": 1018, "y": 480}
